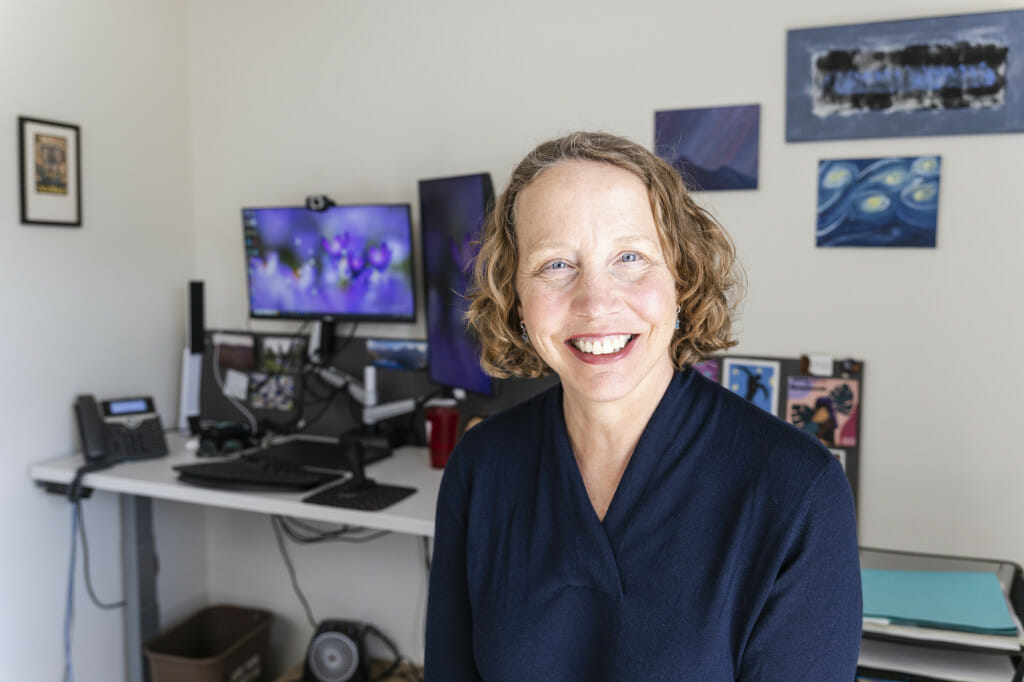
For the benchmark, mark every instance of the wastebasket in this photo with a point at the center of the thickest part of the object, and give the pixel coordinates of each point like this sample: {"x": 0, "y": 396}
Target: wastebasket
{"x": 221, "y": 643}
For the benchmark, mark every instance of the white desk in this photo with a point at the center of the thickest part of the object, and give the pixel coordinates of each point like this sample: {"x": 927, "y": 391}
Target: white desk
{"x": 138, "y": 483}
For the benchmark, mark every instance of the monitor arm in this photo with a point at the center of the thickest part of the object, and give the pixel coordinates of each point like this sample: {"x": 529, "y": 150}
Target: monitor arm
{"x": 365, "y": 394}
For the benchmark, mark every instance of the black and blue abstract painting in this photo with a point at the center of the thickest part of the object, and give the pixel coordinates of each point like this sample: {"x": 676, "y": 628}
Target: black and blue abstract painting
{"x": 713, "y": 148}
{"x": 878, "y": 202}
{"x": 931, "y": 76}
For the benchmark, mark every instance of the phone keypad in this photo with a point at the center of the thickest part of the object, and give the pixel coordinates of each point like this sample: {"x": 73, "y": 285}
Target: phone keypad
{"x": 140, "y": 442}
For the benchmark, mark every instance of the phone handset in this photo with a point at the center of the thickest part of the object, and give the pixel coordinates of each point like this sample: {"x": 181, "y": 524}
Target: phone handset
{"x": 93, "y": 434}
{"x": 91, "y": 428}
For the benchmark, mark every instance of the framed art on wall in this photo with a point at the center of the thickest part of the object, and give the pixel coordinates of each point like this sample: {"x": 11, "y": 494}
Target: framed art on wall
{"x": 50, "y": 170}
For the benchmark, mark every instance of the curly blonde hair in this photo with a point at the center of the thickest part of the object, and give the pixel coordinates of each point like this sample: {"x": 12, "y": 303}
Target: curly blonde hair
{"x": 701, "y": 255}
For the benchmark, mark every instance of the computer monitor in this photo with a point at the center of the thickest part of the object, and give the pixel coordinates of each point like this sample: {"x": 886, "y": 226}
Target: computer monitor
{"x": 452, "y": 211}
{"x": 346, "y": 263}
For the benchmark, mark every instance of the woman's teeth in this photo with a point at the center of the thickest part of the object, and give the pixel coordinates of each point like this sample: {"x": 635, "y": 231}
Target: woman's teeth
{"x": 609, "y": 344}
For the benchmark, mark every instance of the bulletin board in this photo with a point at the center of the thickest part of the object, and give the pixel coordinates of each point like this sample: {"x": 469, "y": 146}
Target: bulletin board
{"x": 261, "y": 374}
{"x": 266, "y": 378}
{"x": 818, "y": 394}
{"x": 260, "y": 370}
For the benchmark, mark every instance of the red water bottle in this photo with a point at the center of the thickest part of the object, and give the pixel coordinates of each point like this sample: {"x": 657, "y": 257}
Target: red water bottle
{"x": 442, "y": 424}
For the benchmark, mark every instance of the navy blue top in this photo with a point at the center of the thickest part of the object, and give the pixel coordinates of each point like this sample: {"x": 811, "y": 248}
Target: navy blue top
{"x": 728, "y": 552}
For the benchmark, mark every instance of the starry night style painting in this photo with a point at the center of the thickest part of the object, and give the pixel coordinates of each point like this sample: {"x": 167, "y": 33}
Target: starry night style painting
{"x": 878, "y": 202}
{"x": 713, "y": 148}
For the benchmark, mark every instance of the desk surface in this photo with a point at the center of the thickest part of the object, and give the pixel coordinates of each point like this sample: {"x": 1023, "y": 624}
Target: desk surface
{"x": 155, "y": 479}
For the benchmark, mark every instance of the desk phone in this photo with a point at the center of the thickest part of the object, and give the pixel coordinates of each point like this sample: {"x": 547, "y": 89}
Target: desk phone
{"x": 119, "y": 430}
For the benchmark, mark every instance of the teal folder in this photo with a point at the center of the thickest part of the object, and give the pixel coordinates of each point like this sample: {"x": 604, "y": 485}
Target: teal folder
{"x": 949, "y": 600}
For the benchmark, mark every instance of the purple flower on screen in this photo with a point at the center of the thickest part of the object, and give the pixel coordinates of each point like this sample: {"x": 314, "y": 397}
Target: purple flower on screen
{"x": 356, "y": 263}
{"x": 379, "y": 256}
{"x": 333, "y": 247}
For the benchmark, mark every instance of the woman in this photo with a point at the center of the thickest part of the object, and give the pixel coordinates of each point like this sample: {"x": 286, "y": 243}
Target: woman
{"x": 637, "y": 521}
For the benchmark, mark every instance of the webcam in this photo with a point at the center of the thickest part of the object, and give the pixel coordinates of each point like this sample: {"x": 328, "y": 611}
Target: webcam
{"x": 318, "y": 202}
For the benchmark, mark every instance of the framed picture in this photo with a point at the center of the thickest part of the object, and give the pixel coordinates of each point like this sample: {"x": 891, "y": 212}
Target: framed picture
{"x": 948, "y": 75}
{"x": 51, "y": 172}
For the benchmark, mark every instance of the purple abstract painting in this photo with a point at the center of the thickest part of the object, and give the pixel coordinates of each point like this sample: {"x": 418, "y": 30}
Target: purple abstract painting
{"x": 713, "y": 148}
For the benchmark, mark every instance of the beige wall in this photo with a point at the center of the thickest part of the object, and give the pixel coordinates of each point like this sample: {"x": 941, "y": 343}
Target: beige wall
{"x": 98, "y": 309}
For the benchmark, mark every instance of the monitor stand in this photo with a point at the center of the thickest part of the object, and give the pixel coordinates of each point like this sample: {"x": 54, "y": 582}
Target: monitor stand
{"x": 323, "y": 341}
{"x": 355, "y": 452}
{"x": 359, "y": 492}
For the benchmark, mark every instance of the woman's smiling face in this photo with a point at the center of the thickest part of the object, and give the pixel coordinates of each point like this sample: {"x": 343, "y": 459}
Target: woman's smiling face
{"x": 595, "y": 292}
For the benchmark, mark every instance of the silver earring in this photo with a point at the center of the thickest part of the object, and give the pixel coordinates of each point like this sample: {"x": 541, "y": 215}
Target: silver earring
{"x": 526, "y": 337}
{"x": 678, "y": 308}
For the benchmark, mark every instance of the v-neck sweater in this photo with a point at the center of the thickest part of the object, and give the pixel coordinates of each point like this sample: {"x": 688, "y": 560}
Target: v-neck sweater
{"x": 728, "y": 552}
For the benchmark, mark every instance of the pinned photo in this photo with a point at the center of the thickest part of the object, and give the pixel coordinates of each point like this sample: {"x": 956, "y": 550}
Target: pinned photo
{"x": 397, "y": 353}
{"x": 235, "y": 351}
{"x": 272, "y": 392}
{"x": 840, "y": 455}
{"x": 755, "y": 380}
{"x": 710, "y": 368}
{"x": 282, "y": 353}
{"x": 825, "y": 408}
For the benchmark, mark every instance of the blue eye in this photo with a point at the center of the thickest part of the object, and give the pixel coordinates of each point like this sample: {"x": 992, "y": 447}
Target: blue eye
{"x": 557, "y": 265}
{"x": 630, "y": 257}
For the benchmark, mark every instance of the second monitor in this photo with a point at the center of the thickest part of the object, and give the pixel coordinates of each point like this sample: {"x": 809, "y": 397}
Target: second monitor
{"x": 452, "y": 211}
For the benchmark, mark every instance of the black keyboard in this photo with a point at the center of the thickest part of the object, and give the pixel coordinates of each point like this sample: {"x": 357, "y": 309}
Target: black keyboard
{"x": 252, "y": 473}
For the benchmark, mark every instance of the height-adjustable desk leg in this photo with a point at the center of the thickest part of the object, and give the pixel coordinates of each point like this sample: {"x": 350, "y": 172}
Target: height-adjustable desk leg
{"x": 138, "y": 568}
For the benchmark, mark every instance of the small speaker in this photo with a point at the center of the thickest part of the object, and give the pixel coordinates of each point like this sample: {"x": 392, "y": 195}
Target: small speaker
{"x": 196, "y": 324}
{"x": 337, "y": 653}
{"x": 192, "y": 356}
{"x": 318, "y": 202}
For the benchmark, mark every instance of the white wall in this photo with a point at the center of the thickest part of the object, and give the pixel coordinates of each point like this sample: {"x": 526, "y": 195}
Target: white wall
{"x": 96, "y": 309}
{"x": 191, "y": 110}
{"x": 360, "y": 100}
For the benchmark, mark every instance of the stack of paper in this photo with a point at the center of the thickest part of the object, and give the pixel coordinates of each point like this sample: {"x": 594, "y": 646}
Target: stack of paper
{"x": 960, "y": 607}
{"x": 931, "y": 662}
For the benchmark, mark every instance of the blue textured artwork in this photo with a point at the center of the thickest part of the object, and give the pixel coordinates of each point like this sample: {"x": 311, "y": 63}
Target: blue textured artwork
{"x": 713, "y": 148}
{"x": 936, "y": 76}
{"x": 878, "y": 202}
